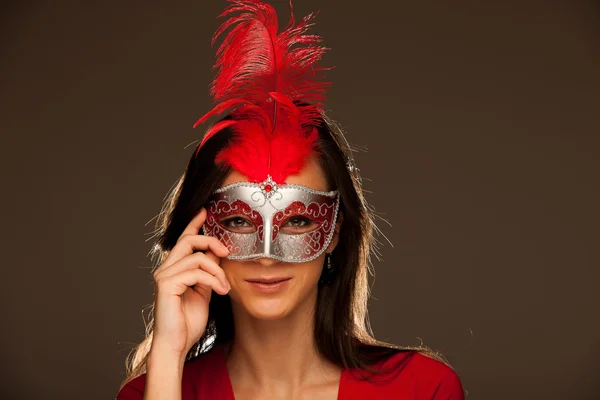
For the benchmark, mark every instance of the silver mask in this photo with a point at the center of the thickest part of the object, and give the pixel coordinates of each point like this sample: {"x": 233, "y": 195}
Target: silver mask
{"x": 255, "y": 220}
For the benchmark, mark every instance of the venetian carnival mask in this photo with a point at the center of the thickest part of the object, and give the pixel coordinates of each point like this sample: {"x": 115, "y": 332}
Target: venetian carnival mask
{"x": 289, "y": 223}
{"x": 270, "y": 84}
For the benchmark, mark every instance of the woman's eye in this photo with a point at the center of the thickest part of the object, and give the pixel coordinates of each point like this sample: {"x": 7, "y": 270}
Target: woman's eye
{"x": 299, "y": 224}
{"x": 238, "y": 224}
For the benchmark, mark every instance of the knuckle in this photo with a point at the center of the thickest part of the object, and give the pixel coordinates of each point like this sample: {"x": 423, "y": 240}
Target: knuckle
{"x": 160, "y": 280}
{"x": 199, "y": 257}
{"x": 200, "y": 275}
{"x": 184, "y": 238}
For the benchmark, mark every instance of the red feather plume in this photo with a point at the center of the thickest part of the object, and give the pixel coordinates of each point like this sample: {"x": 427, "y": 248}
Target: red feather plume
{"x": 269, "y": 83}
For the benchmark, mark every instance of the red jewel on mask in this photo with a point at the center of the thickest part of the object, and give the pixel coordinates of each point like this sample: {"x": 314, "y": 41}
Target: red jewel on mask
{"x": 268, "y": 187}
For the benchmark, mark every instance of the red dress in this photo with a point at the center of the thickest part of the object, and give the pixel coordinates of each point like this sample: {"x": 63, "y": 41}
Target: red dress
{"x": 421, "y": 377}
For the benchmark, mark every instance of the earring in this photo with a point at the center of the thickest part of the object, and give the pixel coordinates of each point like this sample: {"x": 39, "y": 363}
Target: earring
{"x": 328, "y": 273}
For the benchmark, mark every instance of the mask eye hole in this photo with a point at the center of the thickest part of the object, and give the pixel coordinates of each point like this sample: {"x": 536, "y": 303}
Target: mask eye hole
{"x": 298, "y": 224}
{"x": 238, "y": 224}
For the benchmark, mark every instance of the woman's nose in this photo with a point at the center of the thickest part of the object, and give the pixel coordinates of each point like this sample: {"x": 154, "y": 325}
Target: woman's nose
{"x": 266, "y": 261}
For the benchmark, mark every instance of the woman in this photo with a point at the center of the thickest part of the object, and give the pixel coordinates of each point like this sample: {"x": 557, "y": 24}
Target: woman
{"x": 269, "y": 215}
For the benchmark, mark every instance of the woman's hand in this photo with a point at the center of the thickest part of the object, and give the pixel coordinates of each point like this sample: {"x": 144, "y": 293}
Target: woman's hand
{"x": 183, "y": 286}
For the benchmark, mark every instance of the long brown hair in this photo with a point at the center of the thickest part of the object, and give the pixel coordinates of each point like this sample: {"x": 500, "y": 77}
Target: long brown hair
{"x": 342, "y": 331}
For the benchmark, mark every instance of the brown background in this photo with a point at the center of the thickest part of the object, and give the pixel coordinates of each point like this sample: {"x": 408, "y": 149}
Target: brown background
{"x": 481, "y": 128}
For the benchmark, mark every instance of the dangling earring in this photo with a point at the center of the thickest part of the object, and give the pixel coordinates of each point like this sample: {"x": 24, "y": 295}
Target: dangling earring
{"x": 328, "y": 273}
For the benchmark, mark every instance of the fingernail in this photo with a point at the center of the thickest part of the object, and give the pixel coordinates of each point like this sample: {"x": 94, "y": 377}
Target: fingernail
{"x": 225, "y": 283}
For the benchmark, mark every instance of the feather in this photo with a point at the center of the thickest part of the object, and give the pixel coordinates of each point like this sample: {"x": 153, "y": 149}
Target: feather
{"x": 258, "y": 157}
{"x": 269, "y": 82}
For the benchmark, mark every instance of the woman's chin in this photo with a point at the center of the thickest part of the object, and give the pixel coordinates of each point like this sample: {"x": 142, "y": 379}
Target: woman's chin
{"x": 268, "y": 309}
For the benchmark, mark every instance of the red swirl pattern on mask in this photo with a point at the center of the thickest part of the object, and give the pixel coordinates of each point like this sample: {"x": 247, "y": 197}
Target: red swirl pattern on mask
{"x": 322, "y": 213}
{"x": 221, "y": 209}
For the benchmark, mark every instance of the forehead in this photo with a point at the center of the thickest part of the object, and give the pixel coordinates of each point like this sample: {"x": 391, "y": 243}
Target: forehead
{"x": 311, "y": 175}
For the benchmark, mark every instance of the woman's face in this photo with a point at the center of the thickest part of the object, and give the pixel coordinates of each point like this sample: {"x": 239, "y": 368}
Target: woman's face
{"x": 300, "y": 287}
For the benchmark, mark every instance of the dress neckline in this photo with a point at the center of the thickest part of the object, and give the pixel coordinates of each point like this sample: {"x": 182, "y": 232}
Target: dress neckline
{"x": 222, "y": 365}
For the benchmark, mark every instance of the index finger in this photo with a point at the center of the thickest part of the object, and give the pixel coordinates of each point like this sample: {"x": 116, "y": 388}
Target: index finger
{"x": 195, "y": 224}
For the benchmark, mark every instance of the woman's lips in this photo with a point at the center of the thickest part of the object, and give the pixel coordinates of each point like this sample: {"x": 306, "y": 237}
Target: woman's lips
{"x": 268, "y": 280}
{"x": 270, "y": 285}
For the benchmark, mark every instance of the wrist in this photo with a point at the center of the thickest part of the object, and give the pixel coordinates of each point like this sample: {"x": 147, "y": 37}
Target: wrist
{"x": 162, "y": 357}
{"x": 164, "y": 374}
